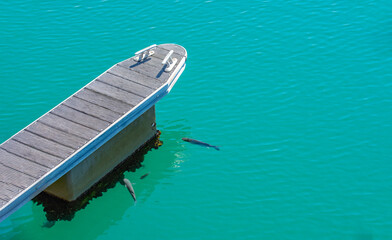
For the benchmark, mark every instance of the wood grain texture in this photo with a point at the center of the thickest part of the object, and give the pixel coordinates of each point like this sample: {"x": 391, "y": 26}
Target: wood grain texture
{"x": 62, "y": 137}
{"x": 30, "y": 168}
{"x": 68, "y": 126}
{"x": 152, "y": 67}
{"x": 92, "y": 109}
{"x": 80, "y": 118}
{"x": 43, "y": 144}
{"x": 161, "y": 54}
{"x": 2, "y": 202}
{"x": 176, "y": 48}
{"x": 114, "y": 92}
{"x": 30, "y": 154}
{"x": 127, "y": 85}
{"x": 15, "y": 178}
{"x": 104, "y": 101}
{"x": 8, "y": 191}
{"x": 135, "y": 76}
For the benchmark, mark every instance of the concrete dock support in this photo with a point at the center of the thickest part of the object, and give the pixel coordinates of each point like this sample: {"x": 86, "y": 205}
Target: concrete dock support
{"x": 70, "y": 186}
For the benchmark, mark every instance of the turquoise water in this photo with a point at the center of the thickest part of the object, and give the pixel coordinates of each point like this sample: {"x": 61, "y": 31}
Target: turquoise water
{"x": 297, "y": 94}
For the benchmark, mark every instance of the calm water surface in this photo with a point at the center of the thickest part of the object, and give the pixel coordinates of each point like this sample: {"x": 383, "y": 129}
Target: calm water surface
{"x": 298, "y": 96}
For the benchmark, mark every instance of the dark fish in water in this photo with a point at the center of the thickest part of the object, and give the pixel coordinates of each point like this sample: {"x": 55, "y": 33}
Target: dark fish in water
{"x": 145, "y": 175}
{"x": 48, "y": 224}
{"x": 199, "y": 143}
{"x": 128, "y": 184}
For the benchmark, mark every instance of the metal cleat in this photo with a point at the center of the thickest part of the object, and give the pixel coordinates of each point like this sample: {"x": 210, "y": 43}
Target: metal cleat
{"x": 144, "y": 53}
{"x": 169, "y": 61}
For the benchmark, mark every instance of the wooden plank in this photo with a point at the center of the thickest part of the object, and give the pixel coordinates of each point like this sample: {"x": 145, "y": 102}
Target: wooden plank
{"x": 152, "y": 67}
{"x": 56, "y": 135}
{"x": 15, "y": 178}
{"x": 92, "y": 109}
{"x": 176, "y": 48}
{"x": 68, "y": 126}
{"x": 2, "y": 202}
{"x": 135, "y": 76}
{"x": 8, "y": 191}
{"x": 161, "y": 54}
{"x": 127, "y": 85}
{"x": 79, "y": 117}
{"x": 104, "y": 101}
{"x": 114, "y": 92}
{"x": 43, "y": 144}
{"x": 12, "y": 161}
{"x": 31, "y": 154}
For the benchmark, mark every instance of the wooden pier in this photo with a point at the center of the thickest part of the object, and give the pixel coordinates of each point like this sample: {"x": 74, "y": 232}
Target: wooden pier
{"x": 57, "y": 142}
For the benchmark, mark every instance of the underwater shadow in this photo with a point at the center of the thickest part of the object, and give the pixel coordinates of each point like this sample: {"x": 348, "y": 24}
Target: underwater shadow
{"x": 57, "y": 209}
{"x": 110, "y": 209}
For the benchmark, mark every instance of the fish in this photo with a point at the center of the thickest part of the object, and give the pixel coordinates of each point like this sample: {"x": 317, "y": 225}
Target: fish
{"x": 48, "y": 224}
{"x": 128, "y": 184}
{"x": 145, "y": 175}
{"x": 200, "y": 143}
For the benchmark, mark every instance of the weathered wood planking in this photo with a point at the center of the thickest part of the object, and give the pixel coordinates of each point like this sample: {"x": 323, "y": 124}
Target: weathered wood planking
{"x": 127, "y": 85}
{"x": 160, "y": 55}
{"x": 68, "y": 126}
{"x": 15, "y": 178}
{"x": 61, "y": 137}
{"x": 43, "y": 144}
{"x": 80, "y": 117}
{"x": 114, "y": 92}
{"x": 92, "y": 109}
{"x": 104, "y": 101}
{"x": 132, "y": 75}
{"x": 152, "y": 67}
{"x": 32, "y": 154}
{"x": 8, "y": 191}
{"x": 165, "y": 48}
{"x": 30, "y": 168}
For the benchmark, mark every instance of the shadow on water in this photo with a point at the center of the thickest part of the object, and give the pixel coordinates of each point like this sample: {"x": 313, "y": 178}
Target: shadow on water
{"x": 112, "y": 207}
{"x": 58, "y": 209}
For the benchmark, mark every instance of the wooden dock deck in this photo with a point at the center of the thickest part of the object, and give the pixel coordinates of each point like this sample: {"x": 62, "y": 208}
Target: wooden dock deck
{"x": 52, "y": 145}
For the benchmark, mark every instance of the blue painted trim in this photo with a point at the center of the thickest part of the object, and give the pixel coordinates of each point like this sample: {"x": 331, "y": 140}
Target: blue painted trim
{"x": 78, "y": 157}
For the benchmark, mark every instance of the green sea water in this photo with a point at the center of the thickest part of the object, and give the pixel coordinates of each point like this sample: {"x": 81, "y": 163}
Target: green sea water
{"x": 297, "y": 94}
